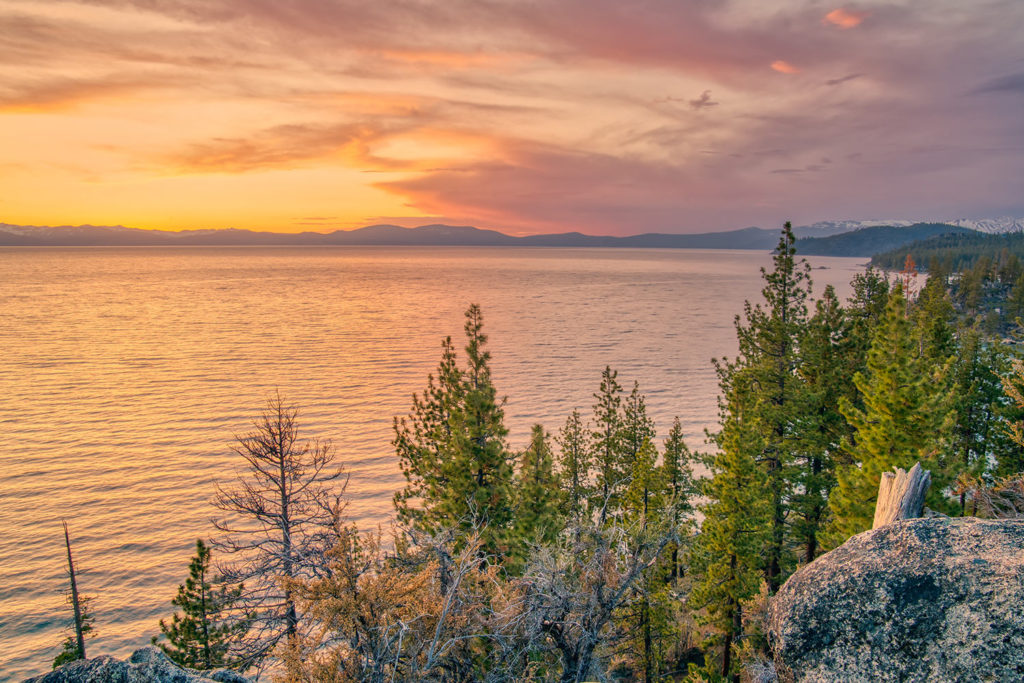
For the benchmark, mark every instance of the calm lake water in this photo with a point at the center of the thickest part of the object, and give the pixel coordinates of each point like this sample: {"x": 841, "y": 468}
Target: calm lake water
{"x": 127, "y": 372}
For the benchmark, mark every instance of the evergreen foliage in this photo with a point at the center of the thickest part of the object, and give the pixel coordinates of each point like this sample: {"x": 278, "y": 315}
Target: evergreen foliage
{"x": 935, "y": 322}
{"x": 452, "y": 448}
{"x": 73, "y": 647}
{"x": 574, "y": 465}
{"x": 979, "y": 443}
{"x": 538, "y": 518}
{"x": 960, "y": 251}
{"x": 727, "y": 559}
{"x": 766, "y": 406}
{"x": 202, "y": 635}
{"x": 763, "y": 386}
{"x": 595, "y": 565}
{"x": 904, "y": 420}
{"x": 69, "y": 651}
{"x": 607, "y": 444}
{"x": 680, "y": 488}
{"x": 828, "y": 359}
{"x": 637, "y": 428}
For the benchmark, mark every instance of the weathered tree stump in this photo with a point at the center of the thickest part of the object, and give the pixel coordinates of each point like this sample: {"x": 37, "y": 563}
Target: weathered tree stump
{"x": 901, "y": 495}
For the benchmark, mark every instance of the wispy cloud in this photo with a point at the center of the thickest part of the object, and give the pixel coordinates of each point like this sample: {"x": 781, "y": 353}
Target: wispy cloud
{"x": 1013, "y": 83}
{"x": 54, "y": 94}
{"x": 842, "y": 79}
{"x": 703, "y": 101}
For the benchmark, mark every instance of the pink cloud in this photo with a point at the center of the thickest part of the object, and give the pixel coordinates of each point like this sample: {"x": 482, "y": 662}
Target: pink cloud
{"x": 784, "y": 67}
{"x": 844, "y": 18}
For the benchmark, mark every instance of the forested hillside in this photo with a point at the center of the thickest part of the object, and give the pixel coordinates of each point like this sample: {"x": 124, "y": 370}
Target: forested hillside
{"x": 870, "y": 241}
{"x": 953, "y": 252}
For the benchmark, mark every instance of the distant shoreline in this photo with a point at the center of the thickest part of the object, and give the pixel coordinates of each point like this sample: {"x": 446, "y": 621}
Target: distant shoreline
{"x": 751, "y": 238}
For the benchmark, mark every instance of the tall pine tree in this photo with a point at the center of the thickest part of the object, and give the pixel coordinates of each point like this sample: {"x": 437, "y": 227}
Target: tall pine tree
{"x": 764, "y": 380}
{"x": 574, "y": 466}
{"x": 727, "y": 557}
{"x": 607, "y": 444}
{"x": 537, "y": 519}
{"x": 903, "y": 421}
{"x": 680, "y": 487}
{"x": 828, "y": 356}
{"x": 453, "y": 451}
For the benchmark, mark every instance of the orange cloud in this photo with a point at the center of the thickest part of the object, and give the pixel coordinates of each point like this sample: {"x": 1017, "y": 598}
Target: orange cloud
{"x": 844, "y": 18}
{"x": 67, "y": 93}
{"x": 784, "y": 67}
{"x": 451, "y": 59}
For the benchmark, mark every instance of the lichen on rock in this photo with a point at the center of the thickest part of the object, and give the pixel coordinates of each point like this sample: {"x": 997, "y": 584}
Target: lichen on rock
{"x": 916, "y": 600}
{"x": 146, "y": 665}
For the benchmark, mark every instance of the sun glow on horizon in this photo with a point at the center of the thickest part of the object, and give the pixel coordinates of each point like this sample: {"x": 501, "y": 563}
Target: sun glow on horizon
{"x": 191, "y": 115}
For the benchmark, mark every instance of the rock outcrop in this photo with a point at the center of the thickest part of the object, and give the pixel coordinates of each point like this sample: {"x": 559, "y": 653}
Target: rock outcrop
{"x": 146, "y": 665}
{"x": 936, "y": 599}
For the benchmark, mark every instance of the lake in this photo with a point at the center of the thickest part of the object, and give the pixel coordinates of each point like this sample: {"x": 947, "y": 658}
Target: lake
{"x": 128, "y": 371}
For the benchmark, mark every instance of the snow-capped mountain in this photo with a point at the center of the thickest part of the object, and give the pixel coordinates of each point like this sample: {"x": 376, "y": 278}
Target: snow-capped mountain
{"x": 991, "y": 225}
{"x": 988, "y": 225}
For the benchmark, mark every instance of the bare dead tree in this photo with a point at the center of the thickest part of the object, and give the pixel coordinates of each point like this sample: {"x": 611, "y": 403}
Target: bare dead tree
{"x": 1002, "y": 499}
{"x": 571, "y": 590}
{"x": 433, "y": 609}
{"x": 278, "y": 525}
{"x": 73, "y": 647}
{"x": 79, "y": 637}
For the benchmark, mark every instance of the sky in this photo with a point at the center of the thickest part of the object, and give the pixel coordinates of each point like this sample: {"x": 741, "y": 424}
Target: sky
{"x": 526, "y": 116}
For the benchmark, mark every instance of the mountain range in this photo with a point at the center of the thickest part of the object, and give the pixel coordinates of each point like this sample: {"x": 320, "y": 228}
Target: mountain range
{"x": 437, "y": 235}
{"x": 376, "y": 235}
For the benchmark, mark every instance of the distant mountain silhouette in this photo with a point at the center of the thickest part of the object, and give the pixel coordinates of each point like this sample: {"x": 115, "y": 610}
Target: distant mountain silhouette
{"x": 373, "y": 235}
{"x": 856, "y": 242}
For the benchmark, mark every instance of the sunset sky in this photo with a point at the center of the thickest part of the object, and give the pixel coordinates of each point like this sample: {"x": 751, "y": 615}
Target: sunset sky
{"x": 527, "y": 116}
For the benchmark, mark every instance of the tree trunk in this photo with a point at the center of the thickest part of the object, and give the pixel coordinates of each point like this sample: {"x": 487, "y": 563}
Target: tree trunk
{"x": 648, "y": 645}
{"x": 79, "y": 637}
{"x": 901, "y": 495}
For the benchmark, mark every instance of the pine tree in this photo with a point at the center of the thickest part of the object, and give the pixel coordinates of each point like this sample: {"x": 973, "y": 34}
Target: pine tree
{"x": 607, "y": 444}
{"x": 637, "y": 427}
{"x": 679, "y": 484}
{"x": 453, "y": 451}
{"x": 935, "y": 322}
{"x": 1009, "y": 437}
{"x": 979, "y": 442}
{"x": 903, "y": 421}
{"x": 201, "y": 637}
{"x": 574, "y": 466}
{"x": 537, "y": 517}
{"x": 423, "y": 442}
{"x": 865, "y": 309}
{"x": 727, "y": 556}
{"x": 1015, "y": 303}
{"x": 764, "y": 379}
{"x": 644, "y": 494}
{"x": 828, "y": 355}
{"x": 643, "y": 503}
